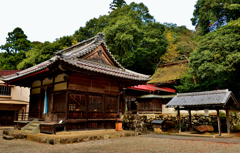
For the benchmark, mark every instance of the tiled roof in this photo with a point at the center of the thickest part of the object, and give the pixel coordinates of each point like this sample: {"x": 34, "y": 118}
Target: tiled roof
{"x": 8, "y": 72}
{"x": 156, "y": 96}
{"x": 217, "y": 97}
{"x": 107, "y": 69}
{"x": 30, "y": 70}
{"x": 71, "y": 56}
{"x": 86, "y": 47}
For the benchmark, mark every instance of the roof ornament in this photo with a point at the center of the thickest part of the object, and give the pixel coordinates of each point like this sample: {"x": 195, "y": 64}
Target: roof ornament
{"x": 99, "y": 37}
{"x": 60, "y": 54}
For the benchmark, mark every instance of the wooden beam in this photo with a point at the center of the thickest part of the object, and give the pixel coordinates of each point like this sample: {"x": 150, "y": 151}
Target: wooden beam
{"x": 228, "y": 121}
{"x": 219, "y": 123}
{"x": 179, "y": 122}
{"x": 67, "y": 105}
{"x": 190, "y": 119}
{"x": 124, "y": 102}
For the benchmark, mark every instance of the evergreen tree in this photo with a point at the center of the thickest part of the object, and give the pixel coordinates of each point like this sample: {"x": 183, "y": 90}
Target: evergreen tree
{"x": 14, "y": 49}
{"x": 132, "y": 35}
{"x": 212, "y": 14}
{"x": 117, "y": 4}
{"x": 215, "y": 63}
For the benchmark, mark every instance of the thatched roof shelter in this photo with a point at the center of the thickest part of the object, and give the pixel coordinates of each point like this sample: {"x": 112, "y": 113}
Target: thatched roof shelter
{"x": 169, "y": 73}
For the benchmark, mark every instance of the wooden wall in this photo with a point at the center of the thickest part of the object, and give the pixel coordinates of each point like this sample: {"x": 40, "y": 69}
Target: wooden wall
{"x": 87, "y": 83}
{"x": 150, "y": 105}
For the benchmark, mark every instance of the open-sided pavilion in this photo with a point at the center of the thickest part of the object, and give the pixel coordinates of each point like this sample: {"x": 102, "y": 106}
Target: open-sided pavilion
{"x": 211, "y": 100}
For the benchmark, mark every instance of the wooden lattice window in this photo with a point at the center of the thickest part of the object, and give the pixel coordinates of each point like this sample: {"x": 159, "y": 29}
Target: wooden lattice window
{"x": 95, "y": 104}
{"x": 111, "y": 104}
{"x": 5, "y": 90}
{"x": 77, "y": 102}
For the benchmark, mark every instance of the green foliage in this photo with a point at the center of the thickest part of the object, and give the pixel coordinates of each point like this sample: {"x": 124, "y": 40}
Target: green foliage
{"x": 212, "y": 14}
{"x": 216, "y": 61}
{"x": 187, "y": 84}
{"x": 182, "y": 127}
{"x": 117, "y": 4}
{"x": 132, "y": 35}
{"x": 182, "y": 42}
{"x": 222, "y": 115}
{"x": 136, "y": 40}
{"x": 43, "y": 51}
{"x": 14, "y": 49}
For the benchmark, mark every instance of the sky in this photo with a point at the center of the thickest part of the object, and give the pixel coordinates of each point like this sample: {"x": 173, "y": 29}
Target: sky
{"x": 47, "y": 20}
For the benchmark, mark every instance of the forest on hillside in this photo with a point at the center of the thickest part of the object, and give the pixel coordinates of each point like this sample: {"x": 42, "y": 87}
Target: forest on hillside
{"x": 140, "y": 43}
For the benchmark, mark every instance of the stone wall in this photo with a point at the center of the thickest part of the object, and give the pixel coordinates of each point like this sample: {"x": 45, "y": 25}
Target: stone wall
{"x": 142, "y": 122}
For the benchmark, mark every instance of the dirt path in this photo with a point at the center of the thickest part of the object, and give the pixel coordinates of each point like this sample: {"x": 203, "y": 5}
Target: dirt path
{"x": 145, "y": 143}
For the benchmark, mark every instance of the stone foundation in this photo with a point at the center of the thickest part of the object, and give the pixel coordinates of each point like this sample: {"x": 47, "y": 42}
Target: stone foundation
{"x": 142, "y": 122}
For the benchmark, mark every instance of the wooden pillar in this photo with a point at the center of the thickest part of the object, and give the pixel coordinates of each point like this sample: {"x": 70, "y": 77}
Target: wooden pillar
{"x": 67, "y": 105}
{"x": 228, "y": 121}
{"x": 179, "y": 122}
{"x": 124, "y": 103}
{"x": 190, "y": 119}
{"x": 118, "y": 105}
{"x": 219, "y": 123}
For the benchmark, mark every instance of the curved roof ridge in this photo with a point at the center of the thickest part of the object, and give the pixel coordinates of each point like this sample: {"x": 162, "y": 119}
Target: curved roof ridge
{"x": 76, "y": 45}
{"x": 136, "y": 73}
{"x": 203, "y": 92}
{"x": 32, "y": 69}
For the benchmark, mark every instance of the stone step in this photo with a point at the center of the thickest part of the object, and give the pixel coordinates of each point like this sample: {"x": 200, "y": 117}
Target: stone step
{"x": 35, "y": 125}
{"x": 32, "y": 126}
{"x": 37, "y": 122}
{"x": 27, "y": 130}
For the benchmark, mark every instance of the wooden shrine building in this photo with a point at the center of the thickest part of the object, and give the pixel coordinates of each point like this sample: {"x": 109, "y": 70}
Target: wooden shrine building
{"x": 147, "y": 99}
{"x": 79, "y": 87}
{"x": 210, "y": 100}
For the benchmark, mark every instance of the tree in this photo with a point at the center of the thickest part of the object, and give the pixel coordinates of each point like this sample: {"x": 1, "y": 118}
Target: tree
{"x": 14, "y": 49}
{"x": 117, "y": 4}
{"x": 44, "y": 51}
{"x": 212, "y": 14}
{"x": 182, "y": 42}
{"x": 135, "y": 39}
{"x": 215, "y": 63}
{"x": 132, "y": 35}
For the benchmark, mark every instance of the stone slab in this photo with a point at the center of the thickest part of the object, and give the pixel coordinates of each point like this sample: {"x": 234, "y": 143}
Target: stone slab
{"x": 77, "y": 136}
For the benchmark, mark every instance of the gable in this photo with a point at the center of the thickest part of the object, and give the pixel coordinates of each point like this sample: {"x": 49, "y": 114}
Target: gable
{"x": 99, "y": 55}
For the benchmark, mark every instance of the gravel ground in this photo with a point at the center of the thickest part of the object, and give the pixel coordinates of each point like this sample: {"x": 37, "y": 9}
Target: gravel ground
{"x": 125, "y": 144}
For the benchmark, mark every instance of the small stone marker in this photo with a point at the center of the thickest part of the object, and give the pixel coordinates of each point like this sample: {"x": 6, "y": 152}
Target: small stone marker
{"x": 7, "y": 137}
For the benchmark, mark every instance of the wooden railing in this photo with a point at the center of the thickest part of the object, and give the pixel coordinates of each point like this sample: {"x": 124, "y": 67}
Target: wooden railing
{"x": 21, "y": 116}
{"x": 110, "y": 115}
{"x": 95, "y": 115}
{"x": 77, "y": 115}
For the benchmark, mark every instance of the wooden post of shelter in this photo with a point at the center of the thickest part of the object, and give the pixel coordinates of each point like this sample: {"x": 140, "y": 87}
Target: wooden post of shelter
{"x": 219, "y": 122}
{"x": 179, "y": 122}
{"x": 190, "y": 119}
{"x": 228, "y": 121}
